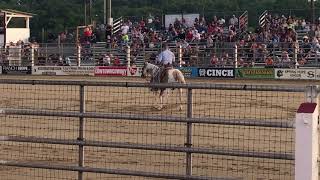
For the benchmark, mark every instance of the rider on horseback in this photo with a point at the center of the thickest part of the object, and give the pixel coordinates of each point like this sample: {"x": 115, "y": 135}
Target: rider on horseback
{"x": 165, "y": 60}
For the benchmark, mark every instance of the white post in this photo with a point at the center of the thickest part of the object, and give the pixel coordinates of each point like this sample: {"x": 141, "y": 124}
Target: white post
{"x": 128, "y": 56}
{"x": 235, "y": 56}
{"x": 32, "y": 55}
{"x": 79, "y": 54}
{"x": 307, "y": 149}
{"x": 295, "y": 56}
{"x": 180, "y": 54}
{"x": 27, "y": 22}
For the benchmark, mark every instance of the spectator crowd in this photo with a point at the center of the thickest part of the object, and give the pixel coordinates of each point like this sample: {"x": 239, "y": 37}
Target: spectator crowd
{"x": 280, "y": 42}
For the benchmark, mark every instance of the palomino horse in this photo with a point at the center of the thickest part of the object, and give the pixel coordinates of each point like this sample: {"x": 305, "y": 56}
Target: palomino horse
{"x": 172, "y": 76}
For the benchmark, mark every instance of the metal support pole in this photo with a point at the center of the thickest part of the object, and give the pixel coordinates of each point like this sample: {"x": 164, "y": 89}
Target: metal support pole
{"x": 104, "y": 12}
{"x": 189, "y": 133}
{"x": 81, "y": 131}
{"x": 128, "y": 56}
{"x": 235, "y": 56}
{"x": 109, "y": 11}
{"x": 180, "y": 54}
{"x": 32, "y": 55}
{"x": 313, "y": 20}
{"x": 85, "y": 12}
{"x": 295, "y": 56}
{"x": 90, "y": 11}
{"x": 79, "y": 54}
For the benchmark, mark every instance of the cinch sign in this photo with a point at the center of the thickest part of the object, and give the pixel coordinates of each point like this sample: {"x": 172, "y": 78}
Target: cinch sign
{"x": 217, "y": 72}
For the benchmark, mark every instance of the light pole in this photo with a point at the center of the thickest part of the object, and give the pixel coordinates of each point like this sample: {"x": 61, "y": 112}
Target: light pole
{"x": 85, "y": 12}
{"x": 312, "y": 11}
{"x": 110, "y": 20}
{"x": 107, "y": 12}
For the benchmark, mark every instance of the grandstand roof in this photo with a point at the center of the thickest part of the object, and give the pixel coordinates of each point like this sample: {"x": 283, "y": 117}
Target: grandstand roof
{"x": 15, "y": 13}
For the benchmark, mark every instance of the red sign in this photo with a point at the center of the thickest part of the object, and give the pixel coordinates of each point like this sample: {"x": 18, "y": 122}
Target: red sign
{"x": 110, "y": 71}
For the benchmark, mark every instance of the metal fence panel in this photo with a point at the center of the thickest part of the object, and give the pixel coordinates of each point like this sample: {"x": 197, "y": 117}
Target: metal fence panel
{"x": 126, "y": 136}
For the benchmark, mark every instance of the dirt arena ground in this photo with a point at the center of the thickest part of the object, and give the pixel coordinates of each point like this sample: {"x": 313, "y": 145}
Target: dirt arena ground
{"x": 229, "y": 105}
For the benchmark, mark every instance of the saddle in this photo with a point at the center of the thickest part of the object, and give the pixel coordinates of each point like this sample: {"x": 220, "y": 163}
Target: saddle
{"x": 164, "y": 73}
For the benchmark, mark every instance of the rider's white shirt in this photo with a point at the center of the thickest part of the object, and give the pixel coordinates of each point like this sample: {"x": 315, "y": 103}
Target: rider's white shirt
{"x": 166, "y": 57}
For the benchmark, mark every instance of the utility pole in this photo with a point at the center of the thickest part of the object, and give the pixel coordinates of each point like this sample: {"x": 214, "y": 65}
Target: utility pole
{"x": 90, "y": 11}
{"x": 85, "y": 12}
{"x": 110, "y": 20}
{"x": 313, "y": 20}
{"x": 104, "y": 12}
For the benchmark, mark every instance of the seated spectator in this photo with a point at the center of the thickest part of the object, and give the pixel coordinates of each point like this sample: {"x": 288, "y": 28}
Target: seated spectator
{"x": 214, "y": 61}
{"x": 87, "y": 33}
{"x": 106, "y": 60}
{"x": 269, "y": 62}
{"x": 317, "y": 32}
{"x": 224, "y": 59}
{"x": 116, "y": 61}
{"x": 306, "y": 46}
{"x": 285, "y": 60}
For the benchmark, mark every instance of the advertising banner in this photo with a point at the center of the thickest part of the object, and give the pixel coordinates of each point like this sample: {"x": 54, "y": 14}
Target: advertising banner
{"x": 117, "y": 71}
{"x": 189, "y": 71}
{"x": 134, "y": 71}
{"x": 16, "y": 70}
{"x": 64, "y": 70}
{"x": 217, "y": 72}
{"x": 255, "y": 73}
{"x": 307, "y": 74}
{"x": 110, "y": 71}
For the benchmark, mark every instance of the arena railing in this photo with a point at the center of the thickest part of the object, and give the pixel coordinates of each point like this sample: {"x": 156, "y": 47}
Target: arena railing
{"x": 304, "y": 127}
{"x": 196, "y": 55}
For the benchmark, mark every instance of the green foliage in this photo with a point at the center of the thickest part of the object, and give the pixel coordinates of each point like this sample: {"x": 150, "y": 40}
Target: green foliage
{"x": 57, "y": 15}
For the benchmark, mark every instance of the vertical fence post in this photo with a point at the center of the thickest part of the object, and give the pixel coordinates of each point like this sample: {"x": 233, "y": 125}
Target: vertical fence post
{"x": 235, "y": 56}
{"x": 295, "y": 56}
{"x": 81, "y": 131}
{"x": 180, "y": 54}
{"x": 32, "y": 55}
{"x": 78, "y": 54}
{"x": 128, "y": 55}
{"x": 307, "y": 143}
{"x": 189, "y": 133}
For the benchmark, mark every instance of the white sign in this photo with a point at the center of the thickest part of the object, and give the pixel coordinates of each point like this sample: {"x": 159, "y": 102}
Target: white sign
{"x": 308, "y": 74}
{"x": 63, "y": 70}
{"x": 136, "y": 72}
